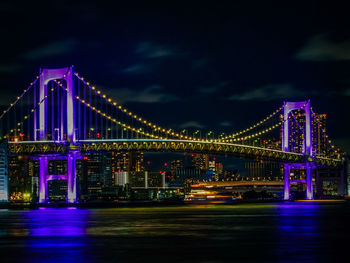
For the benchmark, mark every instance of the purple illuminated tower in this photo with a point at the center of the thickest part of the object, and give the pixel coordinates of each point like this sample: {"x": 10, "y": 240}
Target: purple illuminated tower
{"x": 307, "y": 147}
{"x": 47, "y": 75}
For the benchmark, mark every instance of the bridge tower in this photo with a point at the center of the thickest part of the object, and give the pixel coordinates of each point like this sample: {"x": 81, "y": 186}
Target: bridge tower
{"x": 67, "y": 106}
{"x": 306, "y": 150}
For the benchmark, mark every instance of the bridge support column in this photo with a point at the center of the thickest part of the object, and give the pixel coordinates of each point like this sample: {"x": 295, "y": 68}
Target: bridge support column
{"x": 71, "y": 176}
{"x": 146, "y": 180}
{"x": 309, "y": 186}
{"x": 163, "y": 180}
{"x": 286, "y": 181}
{"x": 43, "y": 171}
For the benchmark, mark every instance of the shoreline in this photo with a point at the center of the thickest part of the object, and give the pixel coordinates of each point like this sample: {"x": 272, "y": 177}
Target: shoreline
{"x": 149, "y": 203}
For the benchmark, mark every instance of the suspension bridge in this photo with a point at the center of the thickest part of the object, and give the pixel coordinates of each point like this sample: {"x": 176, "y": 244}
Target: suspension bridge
{"x": 61, "y": 116}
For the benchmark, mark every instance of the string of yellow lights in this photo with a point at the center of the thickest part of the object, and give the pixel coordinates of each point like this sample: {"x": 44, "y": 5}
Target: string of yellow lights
{"x": 255, "y": 125}
{"x": 170, "y": 132}
{"x": 111, "y": 118}
{"x": 31, "y": 111}
{"x": 251, "y": 136}
{"x": 19, "y": 98}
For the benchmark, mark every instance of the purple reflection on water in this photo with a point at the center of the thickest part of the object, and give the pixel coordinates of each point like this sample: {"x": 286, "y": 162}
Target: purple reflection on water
{"x": 298, "y": 232}
{"x": 57, "y": 235}
{"x": 57, "y": 222}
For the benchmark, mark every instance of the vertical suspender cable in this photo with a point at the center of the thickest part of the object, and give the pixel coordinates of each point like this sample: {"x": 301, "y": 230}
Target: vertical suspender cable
{"x": 90, "y": 113}
{"x": 79, "y": 113}
{"x": 62, "y": 101}
{"x": 28, "y": 119}
{"x": 52, "y": 111}
{"x": 34, "y": 114}
{"x": 58, "y": 114}
{"x": 101, "y": 119}
{"x": 105, "y": 129}
{"x": 95, "y": 98}
{"x": 84, "y": 107}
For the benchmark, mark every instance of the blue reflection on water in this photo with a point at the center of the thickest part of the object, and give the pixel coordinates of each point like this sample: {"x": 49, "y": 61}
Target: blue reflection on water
{"x": 298, "y": 232}
{"x": 57, "y": 235}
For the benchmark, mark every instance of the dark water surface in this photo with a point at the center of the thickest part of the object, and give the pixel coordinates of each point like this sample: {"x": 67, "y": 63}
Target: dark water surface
{"x": 283, "y": 232}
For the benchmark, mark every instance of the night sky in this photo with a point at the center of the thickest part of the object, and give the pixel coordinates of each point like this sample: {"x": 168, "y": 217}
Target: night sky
{"x": 207, "y": 65}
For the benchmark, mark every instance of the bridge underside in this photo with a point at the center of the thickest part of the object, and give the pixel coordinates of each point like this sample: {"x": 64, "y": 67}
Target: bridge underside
{"x": 235, "y": 150}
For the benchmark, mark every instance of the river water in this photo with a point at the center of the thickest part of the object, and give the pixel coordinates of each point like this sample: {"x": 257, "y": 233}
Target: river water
{"x": 280, "y": 232}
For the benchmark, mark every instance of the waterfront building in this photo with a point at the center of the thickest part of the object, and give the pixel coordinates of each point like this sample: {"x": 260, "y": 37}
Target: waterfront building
{"x": 19, "y": 180}
{"x": 4, "y": 191}
{"x": 175, "y": 165}
{"x": 200, "y": 161}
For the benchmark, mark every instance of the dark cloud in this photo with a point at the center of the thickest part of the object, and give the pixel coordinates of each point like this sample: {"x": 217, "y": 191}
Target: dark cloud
{"x": 226, "y": 124}
{"x": 151, "y": 94}
{"x": 213, "y": 89}
{"x": 52, "y": 49}
{"x": 271, "y": 92}
{"x": 155, "y": 50}
{"x": 191, "y": 124}
{"x": 199, "y": 63}
{"x": 10, "y": 68}
{"x": 138, "y": 68}
{"x": 346, "y": 92}
{"x": 321, "y": 48}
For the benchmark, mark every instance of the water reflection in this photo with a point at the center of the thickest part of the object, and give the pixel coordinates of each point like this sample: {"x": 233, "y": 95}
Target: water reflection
{"x": 57, "y": 235}
{"x": 284, "y": 232}
{"x": 298, "y": 232}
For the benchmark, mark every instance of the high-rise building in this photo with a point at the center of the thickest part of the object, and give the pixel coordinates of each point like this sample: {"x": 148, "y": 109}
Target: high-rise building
{"x": 319, "y": 144}
{"x": 4, "y": 191}
{"x": 176, "y": 164}
{"x": 95, "y": 173}
{"x": 122, "y": 178}
{"x": 318, "y": 129}
{"x": 200, "y": 161}
{"x": 19, "y": 179}
{"x": 99, "y": 171}
{"x": 127, "y": 161}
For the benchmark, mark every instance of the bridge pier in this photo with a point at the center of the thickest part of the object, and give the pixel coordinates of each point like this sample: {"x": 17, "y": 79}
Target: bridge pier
{"x": 43, "y": 172}
{"x": 287, "y": 181}
{"x": 286, "y": 168}
{"x": 72, "y": 179}
{"x": 307, "y": 146}
{"x": 309, "y": 187}
{"x": 44, "y": 176}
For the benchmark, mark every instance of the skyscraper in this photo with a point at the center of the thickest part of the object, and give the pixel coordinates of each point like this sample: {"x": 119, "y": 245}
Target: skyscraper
{"x": 4, "y": 196}
{"x": 200, "y": 161}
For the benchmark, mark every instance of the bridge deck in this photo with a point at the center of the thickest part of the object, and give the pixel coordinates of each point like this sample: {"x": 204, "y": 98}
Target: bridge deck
{"x": 171, "y": 145}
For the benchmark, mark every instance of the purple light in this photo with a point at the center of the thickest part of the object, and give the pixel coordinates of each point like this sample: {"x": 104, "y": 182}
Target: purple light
{"x": 288, "y": 107}
{"x": 309, "y": 190}
{"x": 307, "y": 150}
{"x": 286, "y": 181}
{"x": 71, "y": 168}
{"x": 46, "y": 76}
{"x": 42, "y": 179}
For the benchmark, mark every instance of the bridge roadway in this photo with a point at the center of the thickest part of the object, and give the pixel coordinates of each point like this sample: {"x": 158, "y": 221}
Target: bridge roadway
{"x": 167, "y": 145}
{"x": 238, "y": 183}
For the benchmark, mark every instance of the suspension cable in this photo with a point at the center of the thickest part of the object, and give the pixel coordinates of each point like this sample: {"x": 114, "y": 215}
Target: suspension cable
{"x": 255, "y": 125}
{"x": 19, "y": 97}
{"x": 134, "y": 116}
{"x": 108, "y": 117}
{"x": 33, "y": 110}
